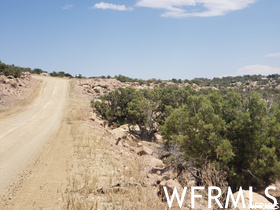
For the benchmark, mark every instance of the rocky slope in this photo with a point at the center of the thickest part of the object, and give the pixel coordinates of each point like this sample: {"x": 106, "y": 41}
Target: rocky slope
{"x": 129, "y": 166}
{"x": 13, "y": 90}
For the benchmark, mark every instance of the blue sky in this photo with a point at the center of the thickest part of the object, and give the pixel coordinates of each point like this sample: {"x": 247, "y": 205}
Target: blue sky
{"x": 143, "y": 38}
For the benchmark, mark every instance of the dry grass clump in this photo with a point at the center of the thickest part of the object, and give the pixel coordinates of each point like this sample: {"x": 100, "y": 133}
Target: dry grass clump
{"x": 135, "y": 197}
{"x": 210, "y": 176}
{"x": 102, "y": 176}
{"x": 79, "y": 114}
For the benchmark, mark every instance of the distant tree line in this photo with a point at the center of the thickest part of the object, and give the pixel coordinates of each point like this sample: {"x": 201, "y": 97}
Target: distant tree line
{"x": 122, "y": 78}
{"x": 15, "y": 71}
{"x": 223, "y": 82}
{"x": 60, "y": 74}
{"x": 215, "y": 82}
{"x": 10, "y": 70}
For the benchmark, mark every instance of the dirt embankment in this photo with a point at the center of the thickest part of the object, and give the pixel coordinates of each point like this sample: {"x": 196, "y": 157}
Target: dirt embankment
{"x": 106, "y": 171}
{"x": 17, "y": 93}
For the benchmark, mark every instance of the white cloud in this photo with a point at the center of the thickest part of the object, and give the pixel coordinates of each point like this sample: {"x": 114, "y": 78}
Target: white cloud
{"x": 68, "y": 6}
{"x": 273, "y": 55}
{"x": 258, "y": 69}
{"x": 195, "y": 8}
{"x": 103, "y": 5}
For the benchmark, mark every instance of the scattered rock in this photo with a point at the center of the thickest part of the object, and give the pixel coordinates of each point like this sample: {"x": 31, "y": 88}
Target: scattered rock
{"x": 145, "y": 151}
{"x": 119, "y": 133}
{"x": 14, "y": 89}
{"x": 156, "y": 163}
{"x": 86, "y": 86}
{"x": 158, "y": 138}
{"x": 164, "y": 154}
{"x": 97, "y": 89}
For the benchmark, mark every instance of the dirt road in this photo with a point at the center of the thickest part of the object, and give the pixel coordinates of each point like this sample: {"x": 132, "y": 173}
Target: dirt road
{"x": 23, "y": 135}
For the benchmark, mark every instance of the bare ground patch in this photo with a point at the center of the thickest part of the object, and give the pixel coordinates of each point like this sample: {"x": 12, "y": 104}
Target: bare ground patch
{"x": 17, "y": 93}
{"x": 104, "y": 175}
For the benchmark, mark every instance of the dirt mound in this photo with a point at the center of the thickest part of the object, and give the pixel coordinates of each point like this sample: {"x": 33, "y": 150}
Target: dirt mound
{"x": 13, "y": 90}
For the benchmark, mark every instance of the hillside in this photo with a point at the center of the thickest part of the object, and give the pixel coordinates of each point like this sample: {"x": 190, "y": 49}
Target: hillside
{"x": 121, "y": 141}
{"x": 14, "y": 91}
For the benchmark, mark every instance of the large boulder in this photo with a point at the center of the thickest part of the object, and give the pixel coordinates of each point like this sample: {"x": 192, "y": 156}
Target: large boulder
{"x": 97, "y": 89}
{"x": 103, "y": 84}
{"x": 257, "y": 199}
{"x": 158, "y": 138}
{"x": 156, "y": 163}
{"x": 145, "y": 151}
{"x": 125, "y": 127}
{"x": 86, "y": 86}
{"x": 152, "y": 164}
{"x": 120, "y": 133}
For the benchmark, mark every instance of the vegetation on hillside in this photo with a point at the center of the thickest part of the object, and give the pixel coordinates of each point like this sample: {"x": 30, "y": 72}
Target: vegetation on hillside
{"x": 61, "y": 74}
{"x": 15, "y": 71}
{"x": 230, "y": 123}
{"x": 239, "y": 134}
{"x": 10, "y": 70}
{"x": 236, "y": 130}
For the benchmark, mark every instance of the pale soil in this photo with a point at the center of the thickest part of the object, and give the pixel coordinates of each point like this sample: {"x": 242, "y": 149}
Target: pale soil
{"x": 23, "y": 137}
{"x": 13, "y": 98}
{"x": 103, "y": 175}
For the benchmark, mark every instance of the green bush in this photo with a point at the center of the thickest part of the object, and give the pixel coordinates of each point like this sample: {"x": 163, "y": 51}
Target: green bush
{"x": 237, "y": 134}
